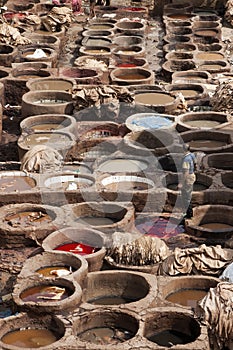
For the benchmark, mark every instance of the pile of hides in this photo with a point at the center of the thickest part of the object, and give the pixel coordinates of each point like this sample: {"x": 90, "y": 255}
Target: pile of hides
{"x": 57, "y": 18}
{"x": 216, "y": 309}
{"x": 207, "y": 260}
{"x": 105, "y": 99}
{"x": 93, "y": 63}
{"x": 143, "y": 251}
{"x": 222, "y": 99}
{"x": 11, "y": 36}
{"x": 229, "y": 12}
{"x": 41, "y": 159}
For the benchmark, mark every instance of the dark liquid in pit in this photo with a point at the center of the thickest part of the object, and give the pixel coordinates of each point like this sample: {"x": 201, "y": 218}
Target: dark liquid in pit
{"x": 170, "y": 337}
{"x": 45, "y": 294}
{"x": 105, "y": 335}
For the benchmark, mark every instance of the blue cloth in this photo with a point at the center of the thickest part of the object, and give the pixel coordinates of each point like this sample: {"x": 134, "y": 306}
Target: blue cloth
{"x": 152, "y": 122}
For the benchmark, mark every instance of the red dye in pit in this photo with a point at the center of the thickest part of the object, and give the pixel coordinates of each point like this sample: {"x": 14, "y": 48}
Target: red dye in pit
{"x": 160, "y": 227}
{"x": 77, "y": 248}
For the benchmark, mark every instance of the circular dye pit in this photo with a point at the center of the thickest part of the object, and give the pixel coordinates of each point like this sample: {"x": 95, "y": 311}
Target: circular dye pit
{"x": 209, "y": 56}
{"x": 50, "y": 84}
{"x": 100, "y": 26}
{"x": 112, "y": 328}
{"x": 148, "y": 121}
{"x": 127, "y": 183}
{"x": 15, "y": 181}
{"x": 122, "y": 165}
{"x": 77, "y": 248}
{"x": 188, "y": 291}
{"x": 48, "y": 293}
{"x": 171, "y": 329}
{"x": 202, "y": 183}
{"x": 48, "y": 123}
{"x": 131, "y": 76}
{"x": 68, "y": 182}
{"x": 154, "y": 98}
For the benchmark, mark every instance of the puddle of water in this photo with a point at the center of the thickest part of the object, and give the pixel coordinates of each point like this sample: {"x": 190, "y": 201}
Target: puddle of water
{"x": 29, "y": 338}
{"x": 105, "y": 335}
{"x": 45, "y": 294}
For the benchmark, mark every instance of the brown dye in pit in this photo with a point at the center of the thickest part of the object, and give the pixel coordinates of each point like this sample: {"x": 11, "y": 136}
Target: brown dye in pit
{"x": 196, "y": 187}
{"x": 46, "y": 127}
{"x": 96, "y": 221}
{"x": 202, "y": 123}
{"x": 100, "y": 26}
{"x": 187, "y": 297}
{"x": 131, "y": 76}
{"x": 122, "y": 165}
{"x": 170, "y": 337}
{"x": 187, "y": 93}
{"x": 179, "y": 16}
{"x": 216, "y": 226}
{"x": 55, "y": 271}
{"x": 127, "y": 186}
{"x": 45, "y": 294}
{"x": 209, "y": 56}
{"x": 111, "y": 300}
{"x": 28, "y": 218}
{"x": 16, "y": 183}
{"x": 153, "y": 98}
{"x": 210, "y": 66}
{"x": 206, "y": 32}
{"x": 105, "y": 335}
{"x": 207, "y": 143}
{"x": 29, "y": 338}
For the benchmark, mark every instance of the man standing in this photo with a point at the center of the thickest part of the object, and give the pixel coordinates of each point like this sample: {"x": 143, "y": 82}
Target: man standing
{"x": 187, "y": 180}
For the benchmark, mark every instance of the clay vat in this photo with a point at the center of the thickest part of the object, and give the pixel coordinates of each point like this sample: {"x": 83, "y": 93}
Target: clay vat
{"x": 38, "y": 295}
{"x": 82, "y": 236}
{"x": 179, "y": 56}
{"x": 172, "y": 66}
{"x": 61, "y": 84}
{"x": 53, "y": 265}
{"x": 59, "y": 140}
{"x": 177, "y": 8}
{"x": 124, "y": 164}
{"x": 134, "y": 50}
{"x": 209, "y": 56}
{"x": 16, "y": 182}
{"x": 131, "y": 27}
{"x": 67, "y": 182}
{"x": 43, "y": 331}
{"x": 98, "y": 33}
{"x": 90, "y": 63}
{"x": 180, "y": 47}
{"x": 178, "y": 17}
{"x": 141, "y": 11}
{"x": 127, "y": 40}
{"x": 172, "y": 38}
{"x": 131, "y": 289}
{"x": 192, "y": 93}
{"x": 169, "y": 24}
{"x": 132, "y": 76}
{"x": 28, "y": 55}
{"x": 158, "y": 101}
{"x": 7, "y": 55}
{"x": 100, "y": 26}
{"x": 191, "y": 76}
{"x": 178, "y": 30}
{"x": 130, "y": 62}
{"x": 149, "y": 121}
{"x": 96, "y": 51}
{"x": 157, "y": 141}
{"x": 82, "y": 76}
{"x": 202, "y": 120}
{"x": 206, "y": 33}
{"x": 91, "y": 150}
{"x": 96, "y": 41}
{"x": 186, "y": 291}
{"x": 76, "y": 167}
{"x": 202, "y": 183}
{"x": 201, "y": 16}
{"x": 217, "y": 47}
{"x": 214, "y": 66}
{"x": 213, "y": 223}
{"x": 48, "y": 123}
{"x": 97, "y": 130}
{"x": 107, "y": 323}
{"x": 124, "y": 183}
{"x": 170, "y": 162}
{"x": 46, "y": 102}
{"x": 205, "y": 40}
{"x": 106, "y": 217}
{"x": 24, "y": 224}
{"x": 227, "y": 178}
{"x": 208, "y": 141}
{"x": 201, "y": 24}
{"x": 221, "y": 160}
{"x": 166, "y": 327}
{"x": 50, "y": 41}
